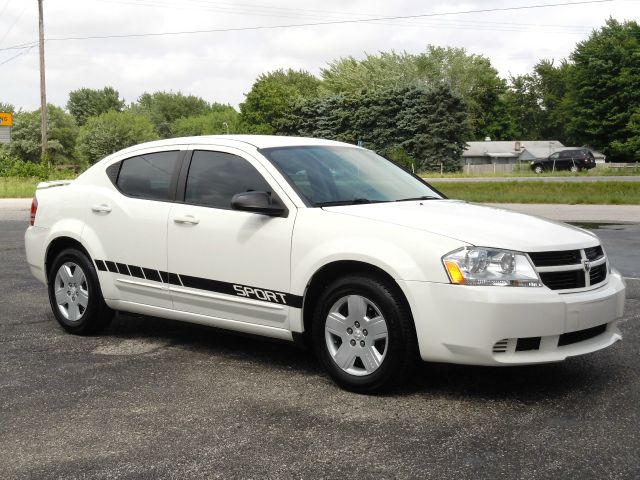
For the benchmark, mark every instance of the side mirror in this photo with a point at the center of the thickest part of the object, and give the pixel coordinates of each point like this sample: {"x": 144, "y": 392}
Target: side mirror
{"x": 257, "y": 202}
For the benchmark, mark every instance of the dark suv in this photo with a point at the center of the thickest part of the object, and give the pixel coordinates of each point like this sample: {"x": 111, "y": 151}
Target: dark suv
{"x": 573, "y": 160}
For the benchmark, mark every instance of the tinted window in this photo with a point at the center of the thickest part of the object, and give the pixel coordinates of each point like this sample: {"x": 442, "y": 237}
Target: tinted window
{"x": 148, "y": 176}
{"x": 565, "y": 154}
{"x": 341, "y": 175}
{"x": 215, "y": 177}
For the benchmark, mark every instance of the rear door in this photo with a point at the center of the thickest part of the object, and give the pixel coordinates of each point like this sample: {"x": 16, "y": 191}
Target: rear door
{"x": 553, "y": 162}
{"x": 227, "y": 264}
{"x": 566, "y": 160}
{"x": 127, "y": 225}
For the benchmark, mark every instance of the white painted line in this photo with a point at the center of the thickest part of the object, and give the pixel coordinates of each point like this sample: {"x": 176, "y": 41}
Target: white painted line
{"x": 631, "y": 278}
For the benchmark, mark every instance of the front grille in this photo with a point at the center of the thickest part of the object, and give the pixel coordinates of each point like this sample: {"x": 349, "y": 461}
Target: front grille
{"x": 581, "y": 335}
{"x": 598, "y": 274}
{"x": 549, "y": 266}
{"x": 554, "y": 259}
{"x": 594, "y": 253}
{"x": 563, "y": 280}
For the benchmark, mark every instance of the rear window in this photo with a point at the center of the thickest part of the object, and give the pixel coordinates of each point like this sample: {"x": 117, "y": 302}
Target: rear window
{"x": 148, "y": 176}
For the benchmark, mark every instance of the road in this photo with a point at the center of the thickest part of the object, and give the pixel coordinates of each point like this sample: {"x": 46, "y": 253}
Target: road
{"x": 572, "y": 179}
{"x": 152, "y": 398}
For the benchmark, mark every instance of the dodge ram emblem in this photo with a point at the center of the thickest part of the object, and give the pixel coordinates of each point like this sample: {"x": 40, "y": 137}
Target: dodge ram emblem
{"x": 587, "y": 265}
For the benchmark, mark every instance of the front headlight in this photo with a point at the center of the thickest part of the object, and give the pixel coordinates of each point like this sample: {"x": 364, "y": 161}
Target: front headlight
{"x": 481, "y": 266}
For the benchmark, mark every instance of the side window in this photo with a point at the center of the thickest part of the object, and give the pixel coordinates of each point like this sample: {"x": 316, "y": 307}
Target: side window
{"x": 566, "y": 154}
{"x": 215, "y": 177}
{"x": 148, "y": 176}
{"x": 554, "y": 156}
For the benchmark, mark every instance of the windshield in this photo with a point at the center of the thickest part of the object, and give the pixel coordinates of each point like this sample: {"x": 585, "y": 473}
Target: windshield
{"x": 326, "y": 175}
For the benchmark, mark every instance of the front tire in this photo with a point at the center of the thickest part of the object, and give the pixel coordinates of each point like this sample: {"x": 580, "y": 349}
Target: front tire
{"x": 75, "y": 296}
{"x": 363, "y": 334}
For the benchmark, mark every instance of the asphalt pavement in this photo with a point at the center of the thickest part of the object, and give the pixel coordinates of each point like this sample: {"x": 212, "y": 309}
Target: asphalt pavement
{"x": 152, "y": 398}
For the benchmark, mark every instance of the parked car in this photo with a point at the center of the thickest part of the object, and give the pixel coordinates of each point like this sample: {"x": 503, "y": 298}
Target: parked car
{"x": 323, "y": 243}
{"x": 573, "y": 160}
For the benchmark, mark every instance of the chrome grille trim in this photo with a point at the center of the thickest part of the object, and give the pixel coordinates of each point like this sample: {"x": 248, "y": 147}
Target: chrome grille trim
{"x": 566, "y": 277}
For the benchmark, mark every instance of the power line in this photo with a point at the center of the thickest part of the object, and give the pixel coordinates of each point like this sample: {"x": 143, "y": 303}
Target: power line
{"x": 18, "y": 55}
{"x": 238, "y": 9}
{"x": 13, "y": 24}
{"x": 5, "y": 6}
{"x": 313, "y": 24}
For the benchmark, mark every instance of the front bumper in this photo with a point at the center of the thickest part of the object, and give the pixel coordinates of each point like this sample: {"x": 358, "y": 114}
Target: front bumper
{"x": 482, "y": 325}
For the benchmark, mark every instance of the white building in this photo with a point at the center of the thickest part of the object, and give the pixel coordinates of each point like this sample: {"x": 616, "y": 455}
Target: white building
{"x": 506, "y": 152}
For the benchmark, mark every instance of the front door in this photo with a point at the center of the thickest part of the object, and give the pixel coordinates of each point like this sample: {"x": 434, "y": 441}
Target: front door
{"x": 229, "y": 265}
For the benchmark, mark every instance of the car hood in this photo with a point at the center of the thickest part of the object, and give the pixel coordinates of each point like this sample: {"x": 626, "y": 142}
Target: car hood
{"x": 475, "y": 224}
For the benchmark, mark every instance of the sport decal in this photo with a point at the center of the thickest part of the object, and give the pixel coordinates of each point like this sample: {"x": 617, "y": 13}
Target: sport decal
{"x": 246, "y": 291}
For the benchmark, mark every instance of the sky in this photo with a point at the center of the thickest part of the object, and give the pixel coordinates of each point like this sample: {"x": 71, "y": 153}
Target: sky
{"x": 221, "y": 66}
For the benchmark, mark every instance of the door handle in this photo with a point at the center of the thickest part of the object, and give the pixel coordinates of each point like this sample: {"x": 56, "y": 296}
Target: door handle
{"x": 102, "y": 208}
{"x": 186, "y": 220}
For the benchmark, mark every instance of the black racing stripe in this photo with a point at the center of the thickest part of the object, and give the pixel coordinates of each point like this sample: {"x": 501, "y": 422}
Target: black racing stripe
{"x": 136, "y": 271}
{"x": 207, "y": 284}
{"x": 253, "y": 293}
{"x": 199, "y": 283}
{"x": 122, "y": 268}
{"x": 151, "y": 274}
{"x": 294, "y": 300}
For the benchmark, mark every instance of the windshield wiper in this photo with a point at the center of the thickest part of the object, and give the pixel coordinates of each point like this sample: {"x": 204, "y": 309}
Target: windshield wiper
{"x": 355, "y": 201}
{"x": 424, "y": 197}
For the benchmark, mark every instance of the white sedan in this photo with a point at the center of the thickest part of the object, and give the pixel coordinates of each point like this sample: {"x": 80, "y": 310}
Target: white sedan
{"x": 320, "y": 242}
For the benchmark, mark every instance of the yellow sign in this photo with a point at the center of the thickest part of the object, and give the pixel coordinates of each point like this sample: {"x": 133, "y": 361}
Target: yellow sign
{"x": 6, "y": 119}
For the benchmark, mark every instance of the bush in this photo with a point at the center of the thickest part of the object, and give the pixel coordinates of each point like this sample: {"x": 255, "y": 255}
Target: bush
{"x": 110, "y": 132}
{"x": 6, "y": 162}
{"x": 28, "y": 169}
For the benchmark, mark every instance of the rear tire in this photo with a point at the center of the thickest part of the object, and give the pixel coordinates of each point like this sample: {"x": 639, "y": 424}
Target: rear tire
{"x": 538, "y": 169}
{"x": 363, "y": 334}
{"x": 75, "y": 296}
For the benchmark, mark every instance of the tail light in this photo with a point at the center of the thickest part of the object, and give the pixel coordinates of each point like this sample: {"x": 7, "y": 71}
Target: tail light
{"x": 34, "y": 209}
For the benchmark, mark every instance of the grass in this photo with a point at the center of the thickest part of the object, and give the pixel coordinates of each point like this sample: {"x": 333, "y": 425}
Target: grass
{"x": 612, "y": 193}
{"x": 15, "y": 187}
{"x": 526, "y": 172}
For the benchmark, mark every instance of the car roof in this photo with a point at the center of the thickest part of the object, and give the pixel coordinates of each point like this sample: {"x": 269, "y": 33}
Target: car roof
{"x": 256, "y": 141}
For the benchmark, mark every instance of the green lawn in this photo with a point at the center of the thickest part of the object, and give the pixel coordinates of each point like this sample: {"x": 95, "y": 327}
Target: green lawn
{"x": 14, "y": 187}
{"x": 632, "y": 169}
{"x": 616, "y": 193}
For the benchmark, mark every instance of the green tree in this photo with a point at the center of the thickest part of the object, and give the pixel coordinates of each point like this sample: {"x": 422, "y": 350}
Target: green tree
{"x": 603, "y": 96}
{"x": 6, "y": 107}
{"x": 273, "y": 95}
{"x": 163, "y": 108}
{"x": 524, "y": 108}
{"x": 112, "y": 131}
{"x": 87, "y": 102}
{"x": 26, "y": 138}
{"x": 410, "y": 125}
{"x": 469, "y": 76}
{"x": 218, "y": 121}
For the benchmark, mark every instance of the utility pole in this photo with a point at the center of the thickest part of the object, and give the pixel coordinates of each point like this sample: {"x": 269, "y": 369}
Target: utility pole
{"x": 43, "y": 92}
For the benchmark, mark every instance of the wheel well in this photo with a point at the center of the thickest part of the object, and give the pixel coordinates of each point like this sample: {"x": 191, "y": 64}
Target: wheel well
{"x": 332, "y": 271}
{"x": 57, "y": 246}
